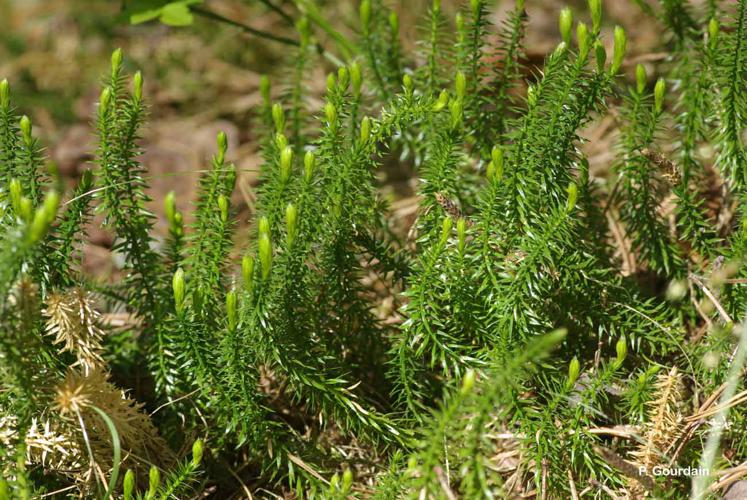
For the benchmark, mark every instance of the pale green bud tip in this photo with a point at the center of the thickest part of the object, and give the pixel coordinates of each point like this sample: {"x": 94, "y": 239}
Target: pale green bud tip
{"x": 519, "y": 5}
{"x": 565, "y": 23}
{"x": 223, "y": 207}
{"x": 443, "y": 100}
{"x": 582, "y": 38}
{"x": 286, "y": 162}
{"x": 347, "y": 480}
{"x": 461, "y": 227}
{"x": 264, "y": 226}
{"x": 291, "y": 214}
{"x": 574, "y": 368}
{"x": 460, "y": 85}
{"x": 222, "y": 142}
{"x": 105, "y": 99}
{"x": 496, "y": 154}
{"x": 309, "y": 162}
{"x": 365, "y": 129}
{"x": 495, "y": 167}
{"x": 4, "y": 93}
{"x": 197, "y": 450}
{"x": 490, "y": 172}
{"x": 231, "y": 302}
{"x": 281, "y": 141}
{"x": 476, "y": 6}
{"x": 154, "y": 479}
{"x": 265, "y": 255}
{"x": 355, "y": 77}
{"x": 116, "y": 60}
{"x": 572, "y": 196}
{"x": 659, "y": 89}
{"x": 560, "y": 49}
{"x": 278, "y": 117}
{"x": 468, "y": 382}
{"x": 16, "y": 193}
{"x": 365, "y": 14}
{"x": 408, "y": 83}
{"x": 459, "y": 21}
{"x": 291, "y": 221}
{"x": 51, "y": 203}
{"x": 169, "y": 205}
{"x": 343, "y": 77}
{"x": 456, "y": 109}
{"x": 532, "y": 95}
{"x": 394, "y": 22}
{"x": 137, "y": 86}
{"x": 264, "y": 88}
{"x": 622, "y": 350}
{"x": 446, "y": 228}
{"x": 247, "y": 270}
{"x": 713, "y": 31}
{"x": 25, "y": 125}
{"x": 331, "y": 82}
{"x": 595, "y": 7}
{"x": 462, "y": 233}
{"x": 436, "y": 5}
{"x": 621, "y": 41}
{"x": 177, "y": 283}
{"x": 330, "y": 111}
{"x": 128, "y": 485}
{"x": 640, "y": 78}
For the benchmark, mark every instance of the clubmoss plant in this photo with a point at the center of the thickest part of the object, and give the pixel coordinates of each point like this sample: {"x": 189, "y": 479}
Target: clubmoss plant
{"x": 538, "y": 330}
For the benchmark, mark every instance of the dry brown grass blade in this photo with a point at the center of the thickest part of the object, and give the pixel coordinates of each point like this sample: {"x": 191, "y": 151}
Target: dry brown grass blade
{"x": 297, "y": 460}
{"x": 728, "y": 477}
{"x": 726, "y": 318}
{"x": 572, "y": 485}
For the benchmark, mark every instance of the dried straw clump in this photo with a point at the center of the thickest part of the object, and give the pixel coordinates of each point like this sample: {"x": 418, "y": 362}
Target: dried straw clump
{"x": 74, "y": 322}
{"x": 664, "y": 426}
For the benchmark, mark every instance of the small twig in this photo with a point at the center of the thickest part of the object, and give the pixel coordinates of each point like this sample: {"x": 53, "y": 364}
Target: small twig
{"x": 169, "y": 403}
{"x": 209, "y": 14}
{"x": 695, "y": 303}
{"x": 728, "y": 281}
{"x": 278, "y": 11}
{"x": 735, "y": 400}
{"x": 572, "y": 484}
{"x": 730, "y": 476}
{"x": 444, "y": 483}
{"x": 621, "y": 431}
{"x": 722, "y": 312}
{"x": 543, "y": 494}
{"x": 56, "y": 492}
{"x": 296, "y": 460}
{"x": 243, "y": 486}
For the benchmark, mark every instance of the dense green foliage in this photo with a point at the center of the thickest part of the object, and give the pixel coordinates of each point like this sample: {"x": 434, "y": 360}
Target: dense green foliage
{"x": 550, "y": 334}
